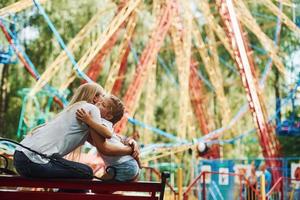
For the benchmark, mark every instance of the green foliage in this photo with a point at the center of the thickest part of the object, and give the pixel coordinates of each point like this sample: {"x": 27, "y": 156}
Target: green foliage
{"x": 290, "y": 145}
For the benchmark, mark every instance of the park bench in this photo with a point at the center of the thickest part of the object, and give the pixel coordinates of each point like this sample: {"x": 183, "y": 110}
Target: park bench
{"x": 40, "y": 189}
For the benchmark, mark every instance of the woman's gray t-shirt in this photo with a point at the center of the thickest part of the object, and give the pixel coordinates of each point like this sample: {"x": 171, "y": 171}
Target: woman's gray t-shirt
{"x": 61, "y": 135}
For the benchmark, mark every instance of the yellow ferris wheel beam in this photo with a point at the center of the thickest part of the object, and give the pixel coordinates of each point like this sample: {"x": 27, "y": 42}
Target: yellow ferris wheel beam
{"x": 276, "y": 11}
{"x": 113, "y": 71}
{"x": 213, "y": 71}
{"x": 203, "y": 5}
{"x": 150, "y": 98}
{"x": 102, "y": 39}
{"x": 150, "y": 93}
{"x": 181, "y": 32}
{"x": 249, "y": 21}
{"x": 216, "y": 72}
{"x": 285, "y": 2}
{"x": 164, "y": 152}
{"x": 18, "y": 6}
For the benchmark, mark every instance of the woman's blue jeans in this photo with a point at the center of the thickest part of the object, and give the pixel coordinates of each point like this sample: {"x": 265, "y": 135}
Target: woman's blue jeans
{"x": 56, "y": 168}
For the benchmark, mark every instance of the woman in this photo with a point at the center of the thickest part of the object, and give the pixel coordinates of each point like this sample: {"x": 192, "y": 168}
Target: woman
{"x": 59, "y": 137}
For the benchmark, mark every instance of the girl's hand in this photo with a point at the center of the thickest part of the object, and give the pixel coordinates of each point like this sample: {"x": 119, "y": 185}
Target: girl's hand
{"x": 83, "y": 116}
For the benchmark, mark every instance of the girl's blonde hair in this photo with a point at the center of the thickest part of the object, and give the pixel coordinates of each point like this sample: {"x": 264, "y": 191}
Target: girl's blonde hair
{"x": 87, "y": 92}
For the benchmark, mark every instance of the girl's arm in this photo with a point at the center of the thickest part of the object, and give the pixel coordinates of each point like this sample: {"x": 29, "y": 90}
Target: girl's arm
{"x": 88, "y": 119}
{"x": 107, "y": 148}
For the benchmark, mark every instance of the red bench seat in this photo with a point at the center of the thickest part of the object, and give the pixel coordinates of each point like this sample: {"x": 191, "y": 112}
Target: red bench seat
{"x": 141, "y": 190}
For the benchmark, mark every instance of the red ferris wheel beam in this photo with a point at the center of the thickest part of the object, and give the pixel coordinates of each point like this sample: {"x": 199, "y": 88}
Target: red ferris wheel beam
{"x": 96, "y": 64}
{"x": 147, "y": 58}
{"x": 196, "y": 96}
{"x": 196, "y": 89}
{"x": 244, "y": 60}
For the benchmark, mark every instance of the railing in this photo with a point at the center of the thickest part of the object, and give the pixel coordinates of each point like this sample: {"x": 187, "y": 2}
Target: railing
{"x": 241, "y": 190}
{"x": 276, "y": 192}
{"x": 291, "y": 188}
{"x": 285, "y": 188}
{"x": 173, "y": 192}
{"x": 215, "y": 191}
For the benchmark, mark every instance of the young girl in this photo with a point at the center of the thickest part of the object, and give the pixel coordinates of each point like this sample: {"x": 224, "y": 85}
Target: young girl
{"x": 120, "y": 167}
{"x": 59, "y": 137}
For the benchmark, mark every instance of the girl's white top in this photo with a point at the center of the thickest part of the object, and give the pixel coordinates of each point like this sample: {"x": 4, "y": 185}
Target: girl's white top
{"x": 114, "y": 160}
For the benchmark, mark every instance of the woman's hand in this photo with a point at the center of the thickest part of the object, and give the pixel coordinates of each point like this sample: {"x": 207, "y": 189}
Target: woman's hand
{"x": 136, "y": 152}
{"x": 133, "y": 144}
{"x": 135, "y": 148}
{"x": 83, "y": 116}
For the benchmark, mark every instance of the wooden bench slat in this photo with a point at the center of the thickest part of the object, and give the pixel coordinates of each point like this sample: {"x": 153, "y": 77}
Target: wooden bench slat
{"x": 27, "y": 195}
{"x": 14, "y": 181}
{"x": 102, "y": 190}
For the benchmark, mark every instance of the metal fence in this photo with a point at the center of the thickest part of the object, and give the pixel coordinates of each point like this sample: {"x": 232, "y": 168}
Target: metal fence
{"x": 234, "y": 186}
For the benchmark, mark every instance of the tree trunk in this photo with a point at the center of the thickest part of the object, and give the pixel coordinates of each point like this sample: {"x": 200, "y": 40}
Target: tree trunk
{"x": 3, "y": 97}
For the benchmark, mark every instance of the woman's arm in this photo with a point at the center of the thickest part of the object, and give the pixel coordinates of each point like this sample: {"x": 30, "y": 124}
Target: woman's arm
{"x": 107, "y": 148}
{"x": 88, "y": 119}
{"x": 133, "y": 144}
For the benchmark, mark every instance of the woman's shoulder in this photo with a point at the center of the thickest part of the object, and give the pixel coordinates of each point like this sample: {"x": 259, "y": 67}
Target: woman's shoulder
{"x": 82, "y": 104}
{"x": 88, "y": 106}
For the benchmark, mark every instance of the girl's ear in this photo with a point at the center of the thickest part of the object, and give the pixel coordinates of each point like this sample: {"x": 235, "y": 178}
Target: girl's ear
{"x": 109, "y": 116}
